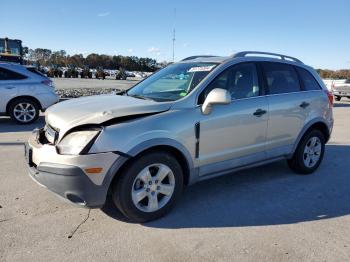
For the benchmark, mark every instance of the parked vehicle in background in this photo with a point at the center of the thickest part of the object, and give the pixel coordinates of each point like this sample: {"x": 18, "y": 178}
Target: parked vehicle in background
{"x": 121, "y": 74}
{"x": 11, "y": 50}
{"x": 85, "y": 73}
{"x": 72, "y": 72}
{"x": 24, "y": 92}
{"x": 55, "y": 72}
{"x": 100, "y": 73}
{"x": 341, "y": 90}
{"x": 193, "y": 120}
{"x": 129, "y": 74}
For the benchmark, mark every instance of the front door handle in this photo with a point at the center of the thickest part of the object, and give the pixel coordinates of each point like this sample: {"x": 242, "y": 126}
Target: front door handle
{"x": 259, "y": 112}
{"x": 304, "y": 104}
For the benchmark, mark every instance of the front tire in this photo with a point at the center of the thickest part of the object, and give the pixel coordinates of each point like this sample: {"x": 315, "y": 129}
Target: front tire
{"x": 148, "y": 187}
{"x": 309, "y": 153}
{"x": 24, "y": 111}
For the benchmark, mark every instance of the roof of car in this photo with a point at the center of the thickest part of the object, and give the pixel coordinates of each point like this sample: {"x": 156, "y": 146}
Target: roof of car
{"x": 205, "y": 59}
{"x": 245, "y": 55}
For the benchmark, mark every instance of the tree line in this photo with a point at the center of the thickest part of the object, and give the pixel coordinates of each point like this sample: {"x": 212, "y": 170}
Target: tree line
{"x": 47, "y": 57}
{"x": 334, "y": 74}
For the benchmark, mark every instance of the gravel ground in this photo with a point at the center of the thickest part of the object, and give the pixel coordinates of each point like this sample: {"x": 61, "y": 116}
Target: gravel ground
{"x": 76, "y": 87}
{"x": 262, "y": 214}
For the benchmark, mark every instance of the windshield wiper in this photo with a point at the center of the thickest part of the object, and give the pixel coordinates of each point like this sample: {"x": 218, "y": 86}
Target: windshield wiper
{"x": 140, "y": 97}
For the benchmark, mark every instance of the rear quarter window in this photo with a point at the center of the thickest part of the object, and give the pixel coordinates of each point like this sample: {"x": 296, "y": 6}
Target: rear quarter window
{"x": 308, "y": 80}
{"x": 35, "y": 71}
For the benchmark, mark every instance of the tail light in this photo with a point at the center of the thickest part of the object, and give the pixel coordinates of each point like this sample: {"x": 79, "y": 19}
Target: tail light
{"x": 47, "y": 82}
{"x": 330, "y": 97}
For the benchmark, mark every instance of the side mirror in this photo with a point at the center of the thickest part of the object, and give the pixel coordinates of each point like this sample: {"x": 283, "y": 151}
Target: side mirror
{"x": 217, "y": 96}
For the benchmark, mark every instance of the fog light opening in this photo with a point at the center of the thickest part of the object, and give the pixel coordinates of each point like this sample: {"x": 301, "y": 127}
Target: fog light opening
{"x": 76, "y": 199}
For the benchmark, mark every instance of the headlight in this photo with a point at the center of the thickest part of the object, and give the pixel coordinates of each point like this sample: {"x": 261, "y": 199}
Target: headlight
{"x": 74, "y": 143}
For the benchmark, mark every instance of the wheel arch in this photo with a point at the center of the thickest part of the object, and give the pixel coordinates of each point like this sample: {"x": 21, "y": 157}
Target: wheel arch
{"x": 20, "y": 97}
{"x": 318, "y": 124}
{"x": 165, "y": 145}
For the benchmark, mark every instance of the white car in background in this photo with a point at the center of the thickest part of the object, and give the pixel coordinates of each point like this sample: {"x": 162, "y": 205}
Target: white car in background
{"x": 24, "y": 92}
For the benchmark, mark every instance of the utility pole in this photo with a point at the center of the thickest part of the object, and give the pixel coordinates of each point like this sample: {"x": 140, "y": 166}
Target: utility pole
{"x": 174, "y": 35}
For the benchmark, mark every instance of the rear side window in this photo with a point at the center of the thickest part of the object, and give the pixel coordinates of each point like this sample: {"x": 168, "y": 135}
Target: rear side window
{"x": 281, "y": 78}
{"x": 6, "y": 74}
{"x": 308, "y": 80}
{"x": 33, "y": 70}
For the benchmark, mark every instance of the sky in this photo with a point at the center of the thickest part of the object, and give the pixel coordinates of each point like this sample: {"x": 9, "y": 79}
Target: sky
{"x": 315, "y": 31}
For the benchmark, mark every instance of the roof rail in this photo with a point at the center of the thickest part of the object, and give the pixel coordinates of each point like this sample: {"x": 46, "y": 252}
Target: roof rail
{"x": 282, "y": 57}
{"x": 197, "y": 56}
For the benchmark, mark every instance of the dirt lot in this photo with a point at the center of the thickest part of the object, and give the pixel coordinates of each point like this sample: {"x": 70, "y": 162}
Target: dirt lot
{"x": 263, "y": 214}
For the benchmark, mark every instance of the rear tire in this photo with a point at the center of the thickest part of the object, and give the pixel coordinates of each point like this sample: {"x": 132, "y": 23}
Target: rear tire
{"x": 24, "y": 110}
{"x": 309, "y": 153}
{"x": 337, "y": 98}
{"x": 148, "y": 187}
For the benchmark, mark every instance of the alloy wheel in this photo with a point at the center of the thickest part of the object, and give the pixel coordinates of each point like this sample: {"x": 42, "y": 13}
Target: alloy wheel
{"x": 24, "y": 112}
{"x": 312, "y": 152}
{"x": 153, "y": 187}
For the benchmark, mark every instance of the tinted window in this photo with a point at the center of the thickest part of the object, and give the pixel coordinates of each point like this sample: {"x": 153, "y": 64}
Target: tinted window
{"x": 347, "y": 81}
{"x": 281, "y": 78}
{"x": 33, "y": 70}
{"x": 240, "y": 80}
{"x": 309, "y": 81}
{"x": 10, "y": 75}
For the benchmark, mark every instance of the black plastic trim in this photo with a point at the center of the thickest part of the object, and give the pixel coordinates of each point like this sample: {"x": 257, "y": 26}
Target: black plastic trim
{"x": 197, "y": 131}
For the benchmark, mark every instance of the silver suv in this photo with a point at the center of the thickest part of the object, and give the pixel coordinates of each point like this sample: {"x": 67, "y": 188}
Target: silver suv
{"x": 193, "y": 120}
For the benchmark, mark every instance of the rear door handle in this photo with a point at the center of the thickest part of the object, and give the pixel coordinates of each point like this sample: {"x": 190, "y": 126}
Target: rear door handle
{"x": 304, "y": 104}
{"x": 259, "y": 112}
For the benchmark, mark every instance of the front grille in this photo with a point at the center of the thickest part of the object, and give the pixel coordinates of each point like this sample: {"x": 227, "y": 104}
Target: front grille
{"x": 51, "y": 134}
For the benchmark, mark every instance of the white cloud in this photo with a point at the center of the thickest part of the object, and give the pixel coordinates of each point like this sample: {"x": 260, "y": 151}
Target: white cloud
{"x": 130, "y": 50}
{"x": 154, "y": 50}
{"x": 103, "y": 14}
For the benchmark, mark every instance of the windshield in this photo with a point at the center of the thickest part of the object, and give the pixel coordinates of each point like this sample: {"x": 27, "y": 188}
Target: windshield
{"x": 173, "y": 82}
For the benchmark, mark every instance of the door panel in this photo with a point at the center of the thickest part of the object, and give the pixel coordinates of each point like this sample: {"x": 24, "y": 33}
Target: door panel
{"x": 288, "y": 107}
{"x": 233, "y": 131}
{"x": 235, "y": 134}
{"x": 286, "y": 119}
{"x": 8, "y": 90}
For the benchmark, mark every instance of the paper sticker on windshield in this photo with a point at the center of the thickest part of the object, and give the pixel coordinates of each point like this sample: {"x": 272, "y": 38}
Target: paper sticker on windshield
{"x": 201, "y": 69}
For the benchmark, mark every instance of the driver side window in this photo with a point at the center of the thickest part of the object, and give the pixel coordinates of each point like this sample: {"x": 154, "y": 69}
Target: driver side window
{"x": 240, "y": 80}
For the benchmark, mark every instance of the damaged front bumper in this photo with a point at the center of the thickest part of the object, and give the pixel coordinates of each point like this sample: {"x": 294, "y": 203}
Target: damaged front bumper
{"x": 65, "y": 175}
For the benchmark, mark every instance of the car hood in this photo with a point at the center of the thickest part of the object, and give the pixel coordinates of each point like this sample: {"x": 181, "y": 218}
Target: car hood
{"x": 98, "y": 109}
